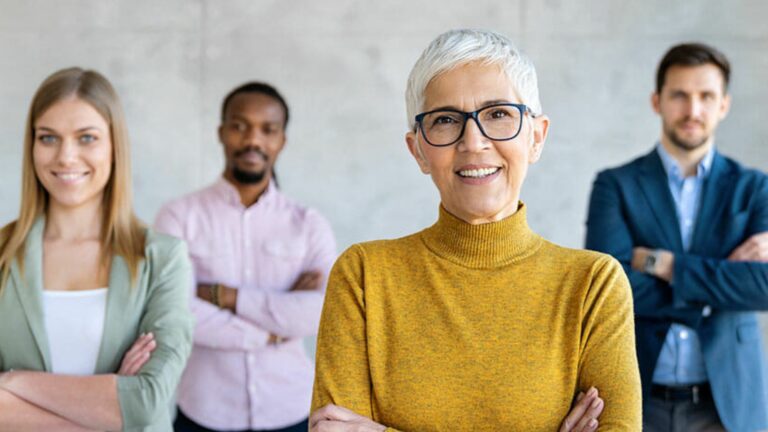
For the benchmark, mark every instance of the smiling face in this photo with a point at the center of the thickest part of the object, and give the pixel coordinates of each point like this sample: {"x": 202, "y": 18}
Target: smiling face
{"x": 691, "y": 105}
{"x": 479, "y": 179}
{"x": 72, "y": 153}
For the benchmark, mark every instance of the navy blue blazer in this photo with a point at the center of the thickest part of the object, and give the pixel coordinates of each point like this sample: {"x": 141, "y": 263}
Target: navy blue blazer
{"x": 631, "y": 206}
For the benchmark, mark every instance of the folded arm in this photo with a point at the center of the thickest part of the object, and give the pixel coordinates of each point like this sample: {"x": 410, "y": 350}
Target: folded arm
{"x": 90, "y": 402}
{"x": 19, "y": 415}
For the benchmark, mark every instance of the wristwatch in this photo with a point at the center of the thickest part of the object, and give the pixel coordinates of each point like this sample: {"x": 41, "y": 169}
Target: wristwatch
{"x": 649, "y": 266}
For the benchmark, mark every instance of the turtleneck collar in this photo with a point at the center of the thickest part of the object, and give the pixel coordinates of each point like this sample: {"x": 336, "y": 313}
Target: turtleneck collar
{"x": 485, "y": 245}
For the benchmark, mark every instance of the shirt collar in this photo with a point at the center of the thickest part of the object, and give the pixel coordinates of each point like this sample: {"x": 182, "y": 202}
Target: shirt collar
{"x": 672, "y": 168}
{"x": 231, "y": 196}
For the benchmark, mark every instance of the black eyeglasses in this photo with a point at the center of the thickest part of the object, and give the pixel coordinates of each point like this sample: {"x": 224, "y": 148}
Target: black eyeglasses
{"x": 498, "y": 122}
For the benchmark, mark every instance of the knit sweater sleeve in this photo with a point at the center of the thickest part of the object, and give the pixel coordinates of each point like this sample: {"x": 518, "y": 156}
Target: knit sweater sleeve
{"x": 342, "y": 376}
{"x": 608, "y": 360}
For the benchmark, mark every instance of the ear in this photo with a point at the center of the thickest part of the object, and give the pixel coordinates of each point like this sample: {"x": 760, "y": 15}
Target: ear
{"x": 655, "y": 102}
{"x": 725, "y": 106}
{"x": 220, "y": 133}
{"x": 540, "y": 131}
{"x": 412, "y": 139}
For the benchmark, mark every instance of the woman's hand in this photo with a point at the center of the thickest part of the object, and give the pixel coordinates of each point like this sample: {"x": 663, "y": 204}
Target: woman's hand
{"x": 584, "y": 414}
{"x": 332, "y": 418}
{"x": 138, "y": 355}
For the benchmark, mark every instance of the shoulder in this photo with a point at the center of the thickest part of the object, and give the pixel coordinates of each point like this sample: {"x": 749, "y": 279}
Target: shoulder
{"x": 190, "y": 200}
{"x": 586, "y": 261}
{"x": 160, "y": 247}
{"x": 626, "y": 169}
{"x": 379, "y": 253}
{"x": 743, "y": 173}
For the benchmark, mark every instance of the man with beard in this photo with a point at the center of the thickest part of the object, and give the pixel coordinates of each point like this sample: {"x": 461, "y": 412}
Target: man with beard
{"x": 690, "y": 227}
{"x": 261, "y": 263}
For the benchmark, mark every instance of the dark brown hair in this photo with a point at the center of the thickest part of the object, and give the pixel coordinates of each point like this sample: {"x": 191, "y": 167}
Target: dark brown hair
{"x": 693, "y": 54}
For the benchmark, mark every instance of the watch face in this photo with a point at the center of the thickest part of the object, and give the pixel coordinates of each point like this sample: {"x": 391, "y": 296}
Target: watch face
{"x": 650, "y": 263}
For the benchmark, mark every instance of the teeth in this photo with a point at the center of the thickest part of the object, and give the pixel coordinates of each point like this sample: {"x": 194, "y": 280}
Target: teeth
{"x": 70, "y": 176}
{"x": 477, "y": 173}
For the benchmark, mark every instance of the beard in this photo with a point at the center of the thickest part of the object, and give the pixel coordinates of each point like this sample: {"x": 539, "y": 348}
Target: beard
{"x": 681, "y": 143}
{"x": 249, "y": 177}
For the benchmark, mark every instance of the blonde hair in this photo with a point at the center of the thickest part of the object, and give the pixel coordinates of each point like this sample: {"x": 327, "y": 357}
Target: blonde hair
{"x": 121, "y": 233}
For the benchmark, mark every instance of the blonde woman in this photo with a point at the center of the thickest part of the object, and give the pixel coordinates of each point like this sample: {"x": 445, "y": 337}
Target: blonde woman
{"x": 94, "y": 323}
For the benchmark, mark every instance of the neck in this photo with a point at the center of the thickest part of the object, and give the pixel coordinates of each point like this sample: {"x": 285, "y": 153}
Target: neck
{"x": 79, "y": 223}
{"x": 249, "y": 193}
{"x": 688, "y": 160}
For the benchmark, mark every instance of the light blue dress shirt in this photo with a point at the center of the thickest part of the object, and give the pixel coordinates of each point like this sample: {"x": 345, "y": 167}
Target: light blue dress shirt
{"x": 681, "y": 361}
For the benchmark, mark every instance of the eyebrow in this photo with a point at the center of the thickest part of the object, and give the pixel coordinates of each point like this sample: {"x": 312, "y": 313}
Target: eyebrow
{"x": 83, "y": 129}
{"x": 238, "y": 117}
{"x": 482, "y": 105}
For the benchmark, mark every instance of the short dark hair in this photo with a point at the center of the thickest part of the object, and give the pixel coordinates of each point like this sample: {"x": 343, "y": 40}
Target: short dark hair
{"x": 256, "y": 87}
{"x": 693, "y": 54}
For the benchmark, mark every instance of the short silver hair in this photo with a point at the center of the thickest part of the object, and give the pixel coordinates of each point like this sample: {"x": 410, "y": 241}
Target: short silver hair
{"x": 458, "y": 47}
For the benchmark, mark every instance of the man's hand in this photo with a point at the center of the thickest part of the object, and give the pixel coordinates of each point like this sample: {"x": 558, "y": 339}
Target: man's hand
{"x": 138, "y": 355}
{"x": 227, "y": 295}
{"x": 664, "y": 267}
{"x": 584, "y": 414}
{"x": 308, "y": 281}
{"x": 332, "y": 418}
{"x": 754, "y": 248}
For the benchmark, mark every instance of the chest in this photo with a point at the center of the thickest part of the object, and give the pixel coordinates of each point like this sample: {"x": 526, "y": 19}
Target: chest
{"x": 74, "y": 266}
{"x": 481, "y": 338}
{"x": 248, "y": 249}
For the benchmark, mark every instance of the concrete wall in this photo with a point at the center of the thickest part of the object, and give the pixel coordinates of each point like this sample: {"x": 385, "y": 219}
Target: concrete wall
{"x": 343, "y": 66}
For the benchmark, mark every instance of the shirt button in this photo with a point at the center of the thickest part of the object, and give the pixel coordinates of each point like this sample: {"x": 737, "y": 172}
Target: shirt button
{"x": 683, "y": 334}
{"x": 706, "y": 311}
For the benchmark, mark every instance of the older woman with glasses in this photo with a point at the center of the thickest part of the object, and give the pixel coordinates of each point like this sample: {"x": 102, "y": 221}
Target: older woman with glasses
{"x": 475, "y": 323}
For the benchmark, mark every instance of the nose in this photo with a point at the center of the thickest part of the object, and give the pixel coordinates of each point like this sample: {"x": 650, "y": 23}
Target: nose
{"x": 695, "y": 107}
{"x": 253, "y": 136}
{"x": 68, "y": 152}
{"x": 473, "y": 139}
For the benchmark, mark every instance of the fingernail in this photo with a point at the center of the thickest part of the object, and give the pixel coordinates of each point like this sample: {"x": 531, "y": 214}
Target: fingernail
{"x": 596, "y": 403}
{"x": 580, "y": 396}
{"x": 592, "y": 391}
{"x": 592, "y": 423}
{"x": 150, "y": 334}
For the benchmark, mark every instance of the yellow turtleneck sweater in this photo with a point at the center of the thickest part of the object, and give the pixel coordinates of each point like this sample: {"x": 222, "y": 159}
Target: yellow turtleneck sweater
{"x": 476, "y": 327}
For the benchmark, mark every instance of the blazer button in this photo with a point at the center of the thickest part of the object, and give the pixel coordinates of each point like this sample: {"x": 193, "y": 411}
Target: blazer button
{"x": 706, "y": 311}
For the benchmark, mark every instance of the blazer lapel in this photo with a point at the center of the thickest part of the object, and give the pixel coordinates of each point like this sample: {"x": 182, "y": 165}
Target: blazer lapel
{"x": 653, "y": 182}
{"x": 118, "y": 304}
{"x": 711, "y": 204}
{"x": 29, "y": 288}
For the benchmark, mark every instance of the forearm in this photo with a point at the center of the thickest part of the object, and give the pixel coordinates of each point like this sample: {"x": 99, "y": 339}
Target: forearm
{"x": 285, "y": 314}
{"x": 221, "y": 329}
{"x": 18, "y": 415}
{"x": 90, "y": 401}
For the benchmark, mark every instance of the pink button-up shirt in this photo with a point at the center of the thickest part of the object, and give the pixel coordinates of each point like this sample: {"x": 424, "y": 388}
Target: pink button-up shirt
{"x": 234, "y": 379}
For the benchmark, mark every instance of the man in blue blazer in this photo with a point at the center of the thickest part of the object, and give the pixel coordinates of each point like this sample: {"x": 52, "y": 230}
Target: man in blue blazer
{"x": 690, "y": 227}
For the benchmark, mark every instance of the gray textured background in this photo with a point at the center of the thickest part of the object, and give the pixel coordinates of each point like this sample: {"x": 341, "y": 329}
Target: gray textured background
{"x": 343, "y": 64}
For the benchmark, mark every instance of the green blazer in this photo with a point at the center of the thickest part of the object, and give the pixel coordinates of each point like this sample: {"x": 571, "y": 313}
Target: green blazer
{"x": 157, "y": 303}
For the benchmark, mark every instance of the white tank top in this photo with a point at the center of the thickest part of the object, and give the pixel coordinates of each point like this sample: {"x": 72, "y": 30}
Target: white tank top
{"x": 74, "y": 322}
